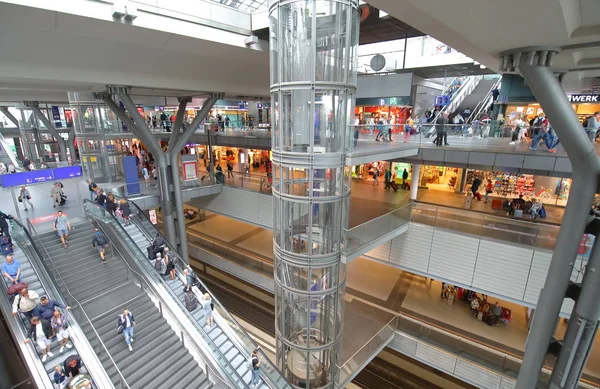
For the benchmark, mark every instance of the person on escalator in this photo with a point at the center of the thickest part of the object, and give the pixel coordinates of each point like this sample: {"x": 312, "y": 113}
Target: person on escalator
{"x": 255, "y": 359}
{"x": 207, "y": 305}
{"x": 111, "y": 204}
{"x": 60, "y": 325}
{"x": 60, "y": 379}
{"x": 100, "y": 242}
{"x": 40, "y": 331}
{"x": 72, "y": 366}
{"x": 4, "y": 224}
{"x": 170, "y": 261}
{"x": 125, "y": 211}
{"x": 46, "y": 308}
{"x": 101, "y": 198}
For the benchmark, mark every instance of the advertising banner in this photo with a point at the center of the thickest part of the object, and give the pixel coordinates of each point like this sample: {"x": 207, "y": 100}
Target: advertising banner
{"x": 26, "y": 178}
{"x": 189, "y": 167}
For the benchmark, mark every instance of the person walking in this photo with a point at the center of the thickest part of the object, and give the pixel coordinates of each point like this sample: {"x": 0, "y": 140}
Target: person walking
{"x": 408, "y": 127}
{"x": 4, "y": 230}
{"x": 404, "y": 178}
{"x": 475, "y": 187}
{"x": 62, "y": 227}
{"x": 56, "y": 194}
{"x": 387, "y": 178}
{"x": 441, "y": 125}
{"x": 25, "y": 197}
{"x": 593, "y": 125}
{"x": 126, "y": 323}
{"x": 146, "y": 175}
{"x": 92, "y": 188}
{"x": 100, "y": 242}
{"x": 207, "y": 307}
{"x": 489, "y": 188}
{"x": 229, "y": 170}
{"x": 59, "y": 325}
{"x": 40, "y": 331}
{"x": 376, "y": 177}
{"x": 255, "y": 359}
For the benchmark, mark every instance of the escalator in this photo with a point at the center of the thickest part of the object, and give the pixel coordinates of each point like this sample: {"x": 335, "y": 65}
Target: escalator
{"x": 226, "y": 339}
{"x": 34, "y": 273}
{"x": 6, "y": 155}
{"x": 102, "y": 292}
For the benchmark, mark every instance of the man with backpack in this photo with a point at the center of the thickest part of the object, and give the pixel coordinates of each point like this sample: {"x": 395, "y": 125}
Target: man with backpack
{"x": 100, "y": 242}
{"x": 255, "y": 361}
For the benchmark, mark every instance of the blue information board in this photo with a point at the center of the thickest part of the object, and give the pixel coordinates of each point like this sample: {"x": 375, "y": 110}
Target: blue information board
{"x": 132, "y": 179}
{"x": 61, "y": 173}
{"x": 26, "y": 178}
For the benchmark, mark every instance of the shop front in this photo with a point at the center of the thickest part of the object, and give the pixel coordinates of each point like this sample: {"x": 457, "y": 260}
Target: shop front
{"x": 585, "y": 106}
{"x": 392, "y": 110}
{"x": 507, "y": 186}
{"x": 441, "y": 178}
{"x": 366, "y": 171}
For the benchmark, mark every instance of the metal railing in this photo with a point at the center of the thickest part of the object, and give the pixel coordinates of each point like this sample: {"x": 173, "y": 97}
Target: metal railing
{"x": 268, "y": 369}
{"x": 484, "y": 103}
{"x": 227, "y": 370}
{"x": 23, "y": 238}
{"x": 50, "y": 268}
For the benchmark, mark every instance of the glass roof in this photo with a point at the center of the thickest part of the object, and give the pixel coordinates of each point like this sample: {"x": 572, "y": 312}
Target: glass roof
{"x": 246, "y": 5}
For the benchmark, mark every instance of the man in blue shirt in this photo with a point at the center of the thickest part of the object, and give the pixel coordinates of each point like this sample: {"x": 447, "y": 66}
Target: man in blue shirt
{"x": 45, "y": 309}
{"x": 11, "y": 269}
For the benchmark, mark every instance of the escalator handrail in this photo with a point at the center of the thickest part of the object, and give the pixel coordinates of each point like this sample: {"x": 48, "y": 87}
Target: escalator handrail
{"x": 44, "y": 265}
{"x": 181, "y": 261}
{"x": 82, "y": 345}
{"x": 148, "y": 288}
{"x": 484, "y": 102}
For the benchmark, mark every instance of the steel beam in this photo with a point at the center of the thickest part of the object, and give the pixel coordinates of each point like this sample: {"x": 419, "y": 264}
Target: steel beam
{"x": 10, "y": 116}
{"x": 582, "y": 328}
{"x": 173, "y": 153}
{"x": 143, "y": 133}
{"x": 41, "y": 117}
{"x": 586, "y": 168}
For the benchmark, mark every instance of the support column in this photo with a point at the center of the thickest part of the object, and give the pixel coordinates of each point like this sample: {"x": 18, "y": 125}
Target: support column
{"x": 313, "y": 49}
{"x": 71, "y": 145}
{"x": 10, "y": 116}
{"x": 414, "y": 182}
{"x": 41, "y": 117}
{"x": 140, "y": 129}
{"x": 173, "y": 152}
{"x": 533, "y": 64}
{"x": 583, "y": 326}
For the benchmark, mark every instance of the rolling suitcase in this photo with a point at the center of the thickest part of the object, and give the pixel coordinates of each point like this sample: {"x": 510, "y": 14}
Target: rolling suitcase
{"x": 394, "y": 186}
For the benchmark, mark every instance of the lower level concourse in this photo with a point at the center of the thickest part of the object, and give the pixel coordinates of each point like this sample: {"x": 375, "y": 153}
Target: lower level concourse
{"x": 391, "y": 289}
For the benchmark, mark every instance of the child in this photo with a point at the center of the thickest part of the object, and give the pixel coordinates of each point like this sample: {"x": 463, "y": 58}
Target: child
{"x": 60, "y": 381}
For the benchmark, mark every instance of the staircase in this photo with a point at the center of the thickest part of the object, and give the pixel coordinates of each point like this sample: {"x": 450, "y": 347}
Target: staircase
{"x": 30, "y": 277}
{"x": 236, "y": 356}
{"x": 159, "y": 357}
{"x": 226, "y": 341}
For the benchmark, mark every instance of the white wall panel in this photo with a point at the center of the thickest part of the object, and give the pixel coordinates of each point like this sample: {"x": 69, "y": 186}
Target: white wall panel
{"x": 537, "y": 275}
{"x": 453, "y": 256}
{"x": 251, "y": 207}
{"x": 412, "y": 249}
{"x": 500, "y": 265}
{"x": 395, "y": 85}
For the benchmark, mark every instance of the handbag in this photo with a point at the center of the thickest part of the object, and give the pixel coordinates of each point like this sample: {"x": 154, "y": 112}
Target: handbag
{"x": 20, "y": 198}
{"x": 120, "y": 329}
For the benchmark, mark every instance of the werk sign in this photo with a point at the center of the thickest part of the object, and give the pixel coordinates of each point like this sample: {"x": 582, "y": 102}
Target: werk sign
{"x": 583, "y": 98}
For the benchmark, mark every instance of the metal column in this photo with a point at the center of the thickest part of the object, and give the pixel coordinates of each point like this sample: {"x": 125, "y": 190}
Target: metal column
{"x": 582, "y": 329}
{"x": 313, "y": 49}
{"x": 41, "y": 117}
{"x": 534, "y": 66}
{"x": 10, "y": 116}
{"x": 173, "y": 153}
{"x": 140, "y": 129}
{"x": 414, "y": 181}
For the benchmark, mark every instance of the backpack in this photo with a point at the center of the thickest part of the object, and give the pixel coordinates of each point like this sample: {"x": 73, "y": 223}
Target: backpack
{"x": 16, "y": 288}
{"x": 77, "y": 381}
{"x": 173, "y": 259}
{"x": 158, "y": 264}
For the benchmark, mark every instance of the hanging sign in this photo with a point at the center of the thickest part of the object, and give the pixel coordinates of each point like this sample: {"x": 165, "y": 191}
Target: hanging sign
{"x": 189, "y": 166}
{"x": 56, "y": 117}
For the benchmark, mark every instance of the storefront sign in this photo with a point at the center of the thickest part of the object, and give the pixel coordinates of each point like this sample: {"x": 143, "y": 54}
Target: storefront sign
{"x": 61, "y": 173}
{"x": 584, "y": 98}
{"x": 152, "y": 214}
{"x": 384, "y": 101}
{"x": 56, "y": 117}
{"x": 26, "y": 178}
